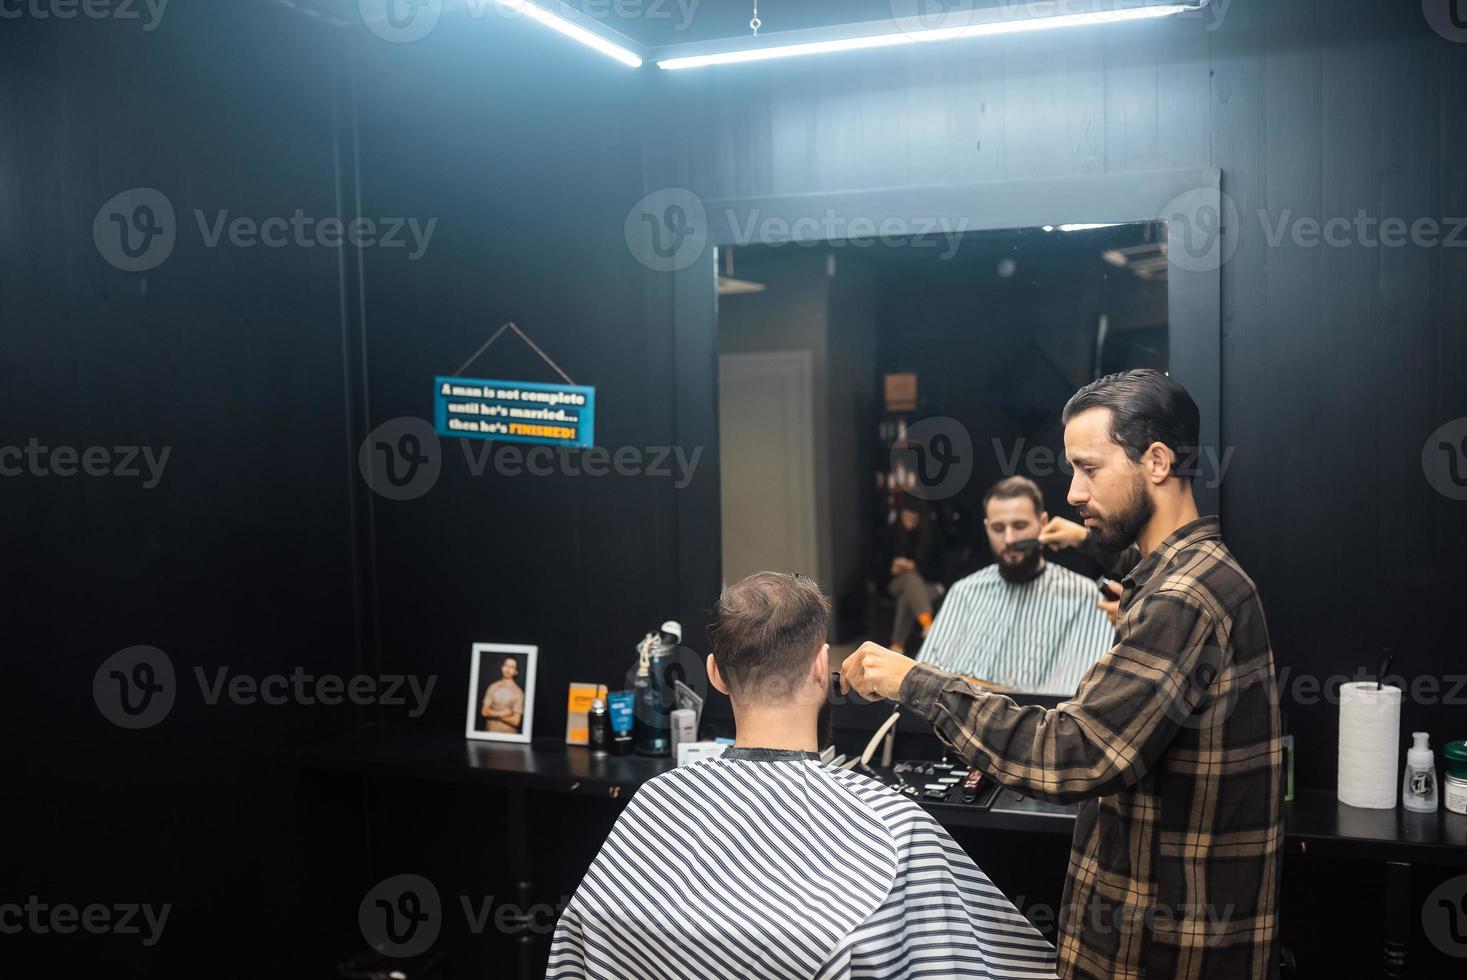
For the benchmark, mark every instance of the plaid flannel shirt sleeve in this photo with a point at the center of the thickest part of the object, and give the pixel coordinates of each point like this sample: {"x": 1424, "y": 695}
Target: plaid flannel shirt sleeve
{"x": 1125, "y": 714}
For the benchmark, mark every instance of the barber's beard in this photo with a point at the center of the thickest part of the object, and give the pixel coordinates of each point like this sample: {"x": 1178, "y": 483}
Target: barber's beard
{"x": 1023, "y": 569}
{"x": 1118, "y": 531}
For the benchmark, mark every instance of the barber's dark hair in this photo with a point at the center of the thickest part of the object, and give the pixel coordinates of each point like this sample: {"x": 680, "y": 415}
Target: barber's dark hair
{"x": 764, "y": 632}
{"x": 1015, "y": 486}
{"x": 1146, "y": 406}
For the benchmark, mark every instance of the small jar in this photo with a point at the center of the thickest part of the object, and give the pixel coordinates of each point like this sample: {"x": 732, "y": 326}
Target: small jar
{"x": 1454, "y": 794}
{"x": 1454, "y": 787}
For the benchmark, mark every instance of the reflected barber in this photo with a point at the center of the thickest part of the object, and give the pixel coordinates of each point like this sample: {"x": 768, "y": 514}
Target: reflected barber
{"x": 1171, "y": 746}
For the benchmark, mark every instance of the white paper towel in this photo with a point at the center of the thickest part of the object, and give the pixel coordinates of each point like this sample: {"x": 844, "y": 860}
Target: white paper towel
{"x": 1370, "y": 745}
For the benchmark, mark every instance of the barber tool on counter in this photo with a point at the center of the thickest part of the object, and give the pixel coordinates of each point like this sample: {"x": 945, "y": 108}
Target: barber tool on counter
{"x": 652, "y": 725}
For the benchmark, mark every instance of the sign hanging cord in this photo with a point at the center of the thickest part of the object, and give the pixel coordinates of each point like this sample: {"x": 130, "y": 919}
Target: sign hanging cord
{"x": 511, "y": 325}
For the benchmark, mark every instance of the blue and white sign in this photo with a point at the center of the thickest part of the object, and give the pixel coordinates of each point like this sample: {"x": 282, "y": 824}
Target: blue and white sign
{"x": 515, "y": 411}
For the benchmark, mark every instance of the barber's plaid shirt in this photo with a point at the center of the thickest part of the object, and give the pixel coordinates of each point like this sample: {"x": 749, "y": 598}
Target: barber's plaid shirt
{"x": 1172, "y": 744}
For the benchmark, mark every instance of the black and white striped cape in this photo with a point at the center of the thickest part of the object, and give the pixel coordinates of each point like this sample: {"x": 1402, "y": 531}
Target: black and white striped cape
{"x": 1041, "y": 636}
{"x": 789, "y": 870}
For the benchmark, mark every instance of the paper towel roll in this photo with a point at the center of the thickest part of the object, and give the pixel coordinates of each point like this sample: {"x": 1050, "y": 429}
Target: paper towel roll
{"x": 1370, "y": 745}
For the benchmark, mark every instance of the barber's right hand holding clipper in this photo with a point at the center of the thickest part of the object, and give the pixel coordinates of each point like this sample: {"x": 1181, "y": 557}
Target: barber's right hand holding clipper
{"x": 874, "y": 672}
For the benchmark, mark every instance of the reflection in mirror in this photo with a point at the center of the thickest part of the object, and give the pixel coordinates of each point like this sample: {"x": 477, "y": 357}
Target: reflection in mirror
{"x": 889, "y": 421}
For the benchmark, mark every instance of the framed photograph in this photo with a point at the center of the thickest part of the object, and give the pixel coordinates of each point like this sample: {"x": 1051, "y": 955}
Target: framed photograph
{"x": 501, "y": 692}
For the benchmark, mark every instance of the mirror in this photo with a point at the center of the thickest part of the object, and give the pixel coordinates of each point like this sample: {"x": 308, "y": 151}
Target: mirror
{"x": 872, "y": 392}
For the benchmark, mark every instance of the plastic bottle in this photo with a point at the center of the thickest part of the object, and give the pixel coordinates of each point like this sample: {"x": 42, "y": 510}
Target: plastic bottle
{"x": 1419, "y": 786}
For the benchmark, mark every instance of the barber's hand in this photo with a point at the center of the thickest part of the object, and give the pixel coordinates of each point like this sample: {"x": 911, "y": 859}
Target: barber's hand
{"x": 875, "y": 672}
{"x": 899, "y": 565}
{"x": 1111, "y": 607}
{"x": 1062, "y": 533}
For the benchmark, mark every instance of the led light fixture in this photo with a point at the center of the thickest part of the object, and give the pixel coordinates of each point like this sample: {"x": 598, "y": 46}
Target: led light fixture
{"x": 953, "y": 26}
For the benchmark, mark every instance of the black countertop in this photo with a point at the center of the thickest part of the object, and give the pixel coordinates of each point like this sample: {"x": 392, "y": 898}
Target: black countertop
{"x": 1317, "y": 823}
{"x": 546, "y": 764}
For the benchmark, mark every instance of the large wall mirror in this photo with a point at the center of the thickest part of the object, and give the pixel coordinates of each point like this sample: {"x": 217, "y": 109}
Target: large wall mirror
{"x": 871, "y": 395}
{"x": 868, "y": 392}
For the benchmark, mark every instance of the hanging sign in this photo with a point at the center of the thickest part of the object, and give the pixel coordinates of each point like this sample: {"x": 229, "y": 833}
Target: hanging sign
{"x": 515, "y": 411}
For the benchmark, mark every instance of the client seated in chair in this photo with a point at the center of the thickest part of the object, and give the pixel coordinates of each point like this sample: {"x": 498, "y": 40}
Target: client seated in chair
{"x": 769, "y": 863}
{"x": 1022, "y": 623}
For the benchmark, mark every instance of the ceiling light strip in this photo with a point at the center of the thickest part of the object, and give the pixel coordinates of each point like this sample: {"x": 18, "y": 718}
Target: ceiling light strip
{"x": 889, "y": 39}
{"x": 557, "y": 22}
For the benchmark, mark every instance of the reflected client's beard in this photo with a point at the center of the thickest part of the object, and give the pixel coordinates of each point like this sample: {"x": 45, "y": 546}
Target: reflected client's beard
{"x": 1023, "y": 568}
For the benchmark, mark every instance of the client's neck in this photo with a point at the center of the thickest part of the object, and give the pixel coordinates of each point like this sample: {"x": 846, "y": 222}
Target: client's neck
{"x": 779, "y": 726}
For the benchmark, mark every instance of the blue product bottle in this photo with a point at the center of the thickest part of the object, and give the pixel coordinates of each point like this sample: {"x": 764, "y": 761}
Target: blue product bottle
{"x": 619, "y": 706}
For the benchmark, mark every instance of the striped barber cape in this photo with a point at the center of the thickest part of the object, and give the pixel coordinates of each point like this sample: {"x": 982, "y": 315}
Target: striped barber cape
{"x": 1040, "y": 636}
{"x": 765, "y": 864}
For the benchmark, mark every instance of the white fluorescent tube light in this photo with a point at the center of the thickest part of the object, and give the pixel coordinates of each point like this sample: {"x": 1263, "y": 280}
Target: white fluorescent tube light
{"x": 986, "y": 29}
{"x": 558, "y": 23}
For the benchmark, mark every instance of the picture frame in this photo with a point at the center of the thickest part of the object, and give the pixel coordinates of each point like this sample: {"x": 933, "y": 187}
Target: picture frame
{"x": 486, "y": 719}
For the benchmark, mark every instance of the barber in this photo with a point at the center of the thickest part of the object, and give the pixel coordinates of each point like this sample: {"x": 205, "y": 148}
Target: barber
{"x": 1171, "y": 745}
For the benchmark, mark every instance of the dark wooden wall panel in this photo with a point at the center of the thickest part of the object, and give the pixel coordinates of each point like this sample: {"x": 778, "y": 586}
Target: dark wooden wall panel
{"x": 1351, "y": 111}
{"x": 240, "y": 558}
{"x": 1406, "y": 353}
{"x": 530, "y": 163}
{"x": 1295, "y": 399}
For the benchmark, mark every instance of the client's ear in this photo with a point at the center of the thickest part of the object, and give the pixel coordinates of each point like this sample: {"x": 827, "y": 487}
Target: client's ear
{"x": 822, "y": 665}
{"x": 714, "y": 677}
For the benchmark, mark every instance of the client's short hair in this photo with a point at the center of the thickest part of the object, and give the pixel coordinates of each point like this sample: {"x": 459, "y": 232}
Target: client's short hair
{"x": 764, "y": 632}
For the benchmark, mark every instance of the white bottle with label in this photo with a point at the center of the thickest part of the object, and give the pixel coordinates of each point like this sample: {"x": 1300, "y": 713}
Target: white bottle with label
{"x": 1419, "y": 787}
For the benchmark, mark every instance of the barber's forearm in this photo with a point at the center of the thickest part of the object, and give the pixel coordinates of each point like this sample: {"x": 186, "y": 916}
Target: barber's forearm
{"x": 945, "y": 700}
{"x": 1018, "y": 745}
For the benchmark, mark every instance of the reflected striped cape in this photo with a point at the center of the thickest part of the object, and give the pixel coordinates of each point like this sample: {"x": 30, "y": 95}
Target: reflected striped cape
{"x": 791, "y": 870}
{"x": 1040, "y": 636}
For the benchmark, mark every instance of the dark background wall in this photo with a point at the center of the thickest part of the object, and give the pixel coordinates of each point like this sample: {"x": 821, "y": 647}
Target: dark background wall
{"x": 262, "y": 550}
{"x": 525, "y": 160}
{"x": 240, "y": 557}
{"x": 525, "y": 148}
{"x": 261, "y": 370}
